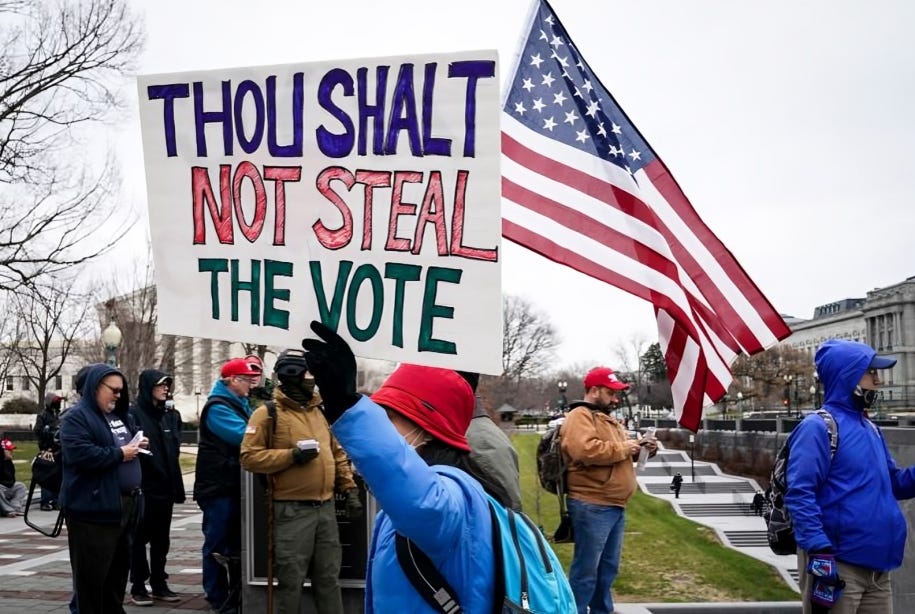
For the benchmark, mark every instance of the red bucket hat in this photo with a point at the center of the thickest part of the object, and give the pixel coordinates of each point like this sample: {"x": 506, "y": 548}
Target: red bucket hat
{"x": 438, "y": 400}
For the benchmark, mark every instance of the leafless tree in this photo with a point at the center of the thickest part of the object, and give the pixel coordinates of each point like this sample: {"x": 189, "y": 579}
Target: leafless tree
{"x": 529, "y": 340}
{"x": 629, "y": 354}
{"x": 761, "y": 378}
{"x": 132, "y": 306}
{"x": 7, "y": 326}
{"x": 61, "y": 70}
{"x": 50, "y": 323}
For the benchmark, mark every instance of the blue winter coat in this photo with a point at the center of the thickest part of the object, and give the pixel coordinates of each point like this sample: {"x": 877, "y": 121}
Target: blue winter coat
{"x": 849, "y": 504}
{"x": 442, "y": 509}
{"x": 90, "y": 490}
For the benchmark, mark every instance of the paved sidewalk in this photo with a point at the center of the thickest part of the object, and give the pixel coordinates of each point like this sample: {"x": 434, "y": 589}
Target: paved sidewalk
{"x": 35, "y": 570}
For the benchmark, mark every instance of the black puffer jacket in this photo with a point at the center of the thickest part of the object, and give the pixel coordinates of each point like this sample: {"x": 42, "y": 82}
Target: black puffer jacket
{"x": 162, "y": 478}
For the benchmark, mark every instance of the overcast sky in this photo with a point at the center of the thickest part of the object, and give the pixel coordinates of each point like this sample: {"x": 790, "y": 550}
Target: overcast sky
{"x": 789, "y": 125}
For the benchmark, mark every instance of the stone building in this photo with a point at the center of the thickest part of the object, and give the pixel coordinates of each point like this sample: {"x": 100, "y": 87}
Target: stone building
{"x": 884, "y": 319}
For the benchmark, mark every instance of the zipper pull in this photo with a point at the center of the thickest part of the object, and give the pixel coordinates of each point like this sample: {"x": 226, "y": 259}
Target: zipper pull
{"x": 525, "y": 602}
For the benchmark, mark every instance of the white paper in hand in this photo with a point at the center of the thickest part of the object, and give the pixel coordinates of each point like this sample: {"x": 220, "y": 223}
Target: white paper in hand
{"x": 308, "y": 444}
{"x": 136, "y": 441}
{"x": 643, "y": 453}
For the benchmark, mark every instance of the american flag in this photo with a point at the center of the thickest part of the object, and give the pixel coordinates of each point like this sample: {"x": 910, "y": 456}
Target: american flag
{"x": 582, "y": 187}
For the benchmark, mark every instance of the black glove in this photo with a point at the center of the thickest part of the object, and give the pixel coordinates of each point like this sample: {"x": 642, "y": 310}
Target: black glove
{"x": 334, "y": 367}
{"x": 300, "y": 457}
{"x": 353, "y": 504}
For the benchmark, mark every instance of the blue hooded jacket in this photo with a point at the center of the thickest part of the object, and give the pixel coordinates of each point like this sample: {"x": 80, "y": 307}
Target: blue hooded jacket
{"x": 90, "y": 490}
{"x": 847, "y": 504}
{"x": 442, "y": 509}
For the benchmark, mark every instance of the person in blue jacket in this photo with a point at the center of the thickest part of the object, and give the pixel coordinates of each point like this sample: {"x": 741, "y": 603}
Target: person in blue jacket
{"x": 408, "y": 442}
{"x": 849, "y": 528}
{"x": 100, "y": 493}
{"x": 217, "y": 477}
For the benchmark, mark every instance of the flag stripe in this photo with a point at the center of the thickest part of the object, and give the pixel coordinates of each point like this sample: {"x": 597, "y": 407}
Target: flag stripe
{"x": 582, "y": 187}
{"x": 590, "y": 216}
{"x": 673, "y": 195}
{"x": 583, "y": 179}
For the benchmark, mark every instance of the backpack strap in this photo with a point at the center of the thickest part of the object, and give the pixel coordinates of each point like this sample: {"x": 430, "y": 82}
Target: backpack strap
{"x": 425, "y": 578}
{"x": 833, "y": 429}
{"x": 271, "y": 413}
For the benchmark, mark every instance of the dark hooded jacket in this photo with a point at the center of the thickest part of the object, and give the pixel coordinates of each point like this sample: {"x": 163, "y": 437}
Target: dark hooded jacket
{"x": 162, "y": 479}
{"x": 846, "y": 504}
{"x": 47, "y": 424}
{"x": 91, "y": 490}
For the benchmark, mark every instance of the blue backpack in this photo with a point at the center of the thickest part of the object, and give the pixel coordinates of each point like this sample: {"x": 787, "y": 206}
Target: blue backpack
{"x": 529, "y": 577}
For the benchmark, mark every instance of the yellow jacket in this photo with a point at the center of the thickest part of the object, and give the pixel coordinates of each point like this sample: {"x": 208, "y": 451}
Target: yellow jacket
{"x": 317, "y": 479}
{"x": 596, "y": 449}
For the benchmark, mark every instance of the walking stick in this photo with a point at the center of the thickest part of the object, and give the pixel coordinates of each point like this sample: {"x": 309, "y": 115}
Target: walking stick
{"x": 270, "y": 544}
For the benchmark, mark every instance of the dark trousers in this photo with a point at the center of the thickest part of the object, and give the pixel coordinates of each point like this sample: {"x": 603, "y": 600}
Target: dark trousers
{"x": 153, "y": 529}
{"x": 48, "y": 497}
{"x": 99, "y": 559}
{"x": 221, "y": 535}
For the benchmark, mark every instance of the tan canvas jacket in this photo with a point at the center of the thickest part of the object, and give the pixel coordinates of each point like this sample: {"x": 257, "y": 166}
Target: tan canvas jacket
{"x": 313, "y": 481}
{"x": 596, "y": 449}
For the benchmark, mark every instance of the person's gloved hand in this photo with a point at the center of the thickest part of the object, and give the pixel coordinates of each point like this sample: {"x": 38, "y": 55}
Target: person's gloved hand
{"x": 823, "y": 565}
{"x": 353, "y": 504}
{"x": 332, "y": 363}
{"x": 827, "y": 586}
{"x": 300, "y": 457}
{"x": 824, "y": 594}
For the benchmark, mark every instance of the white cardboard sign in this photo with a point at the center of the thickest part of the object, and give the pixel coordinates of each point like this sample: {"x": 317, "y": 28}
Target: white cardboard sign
{"x": 362, "y": 193}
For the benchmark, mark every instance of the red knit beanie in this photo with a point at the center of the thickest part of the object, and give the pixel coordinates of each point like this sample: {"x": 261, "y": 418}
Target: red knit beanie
{"x": 438, "y": 400}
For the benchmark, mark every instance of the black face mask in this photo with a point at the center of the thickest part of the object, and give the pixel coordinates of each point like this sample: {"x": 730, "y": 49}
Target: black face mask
{"x": 864, "y": 399}
{"x": 299, "y": 389}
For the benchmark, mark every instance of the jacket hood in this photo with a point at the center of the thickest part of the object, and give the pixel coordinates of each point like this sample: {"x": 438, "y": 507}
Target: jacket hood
{"x": 841, "y": 365}
{"x": 94, "y": 376}
{"x": 148, "y": 379}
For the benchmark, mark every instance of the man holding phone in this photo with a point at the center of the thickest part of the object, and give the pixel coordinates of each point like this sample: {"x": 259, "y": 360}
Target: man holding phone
{"x": 601, "y": 478}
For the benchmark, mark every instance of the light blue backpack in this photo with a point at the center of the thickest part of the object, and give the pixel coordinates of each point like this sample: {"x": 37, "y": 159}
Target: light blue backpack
{"x": 529, "y": 577}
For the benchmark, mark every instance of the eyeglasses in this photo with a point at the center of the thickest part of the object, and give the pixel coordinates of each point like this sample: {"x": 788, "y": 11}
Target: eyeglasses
{"x": 115, "y": 391}
{"x": 251, "y": 381}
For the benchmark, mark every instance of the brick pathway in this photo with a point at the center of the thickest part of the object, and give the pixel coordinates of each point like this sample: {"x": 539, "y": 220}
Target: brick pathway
{"x": 35, "y": 569}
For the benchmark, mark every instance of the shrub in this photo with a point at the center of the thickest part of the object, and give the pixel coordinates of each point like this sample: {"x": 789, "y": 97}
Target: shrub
{"x": 20, "y": 405}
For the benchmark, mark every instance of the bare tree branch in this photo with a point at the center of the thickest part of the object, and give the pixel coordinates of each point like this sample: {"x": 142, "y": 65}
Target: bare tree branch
{"x": 63, "y": 66}
{"x": 529, "y": 340}
{"x": 50, "y": 323}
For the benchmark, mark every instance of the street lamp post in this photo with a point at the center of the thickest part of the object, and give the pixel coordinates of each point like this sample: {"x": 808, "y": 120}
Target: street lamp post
{"x": 562, "y": 386}
{"x": 813, "y": 391}
{"x": 816, "y": 381}
{"x": 197, "y": 394}
{"x": 111, "y": 339}
{"x": 797, "y": 404}
{"x": 788, "y": 379}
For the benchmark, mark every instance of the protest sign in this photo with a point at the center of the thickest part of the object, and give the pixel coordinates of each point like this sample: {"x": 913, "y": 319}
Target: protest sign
{"x": 362, "y": 193}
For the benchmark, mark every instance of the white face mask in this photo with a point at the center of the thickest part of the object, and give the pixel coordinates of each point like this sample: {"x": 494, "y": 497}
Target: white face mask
{"x": 412, "y": 441}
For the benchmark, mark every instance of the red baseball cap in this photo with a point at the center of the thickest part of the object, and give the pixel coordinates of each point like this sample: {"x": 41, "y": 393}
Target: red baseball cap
{"x": 440, "y": 401}
{"x": 240, "y": 366}
{"x": 604, "y": 376}
{"x": 6, "y": 444}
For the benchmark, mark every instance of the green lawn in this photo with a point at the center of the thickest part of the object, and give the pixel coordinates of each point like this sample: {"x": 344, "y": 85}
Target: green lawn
{"x": 666, "y": 558}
